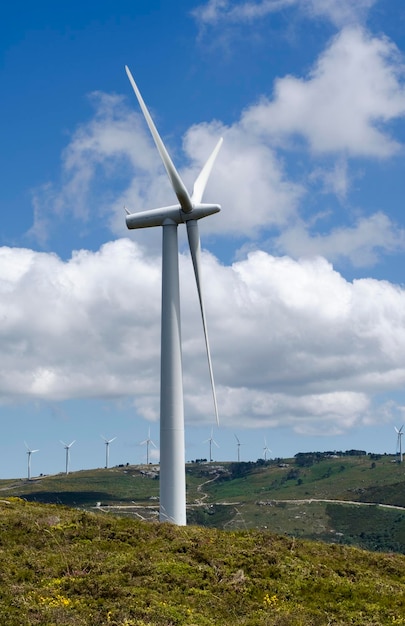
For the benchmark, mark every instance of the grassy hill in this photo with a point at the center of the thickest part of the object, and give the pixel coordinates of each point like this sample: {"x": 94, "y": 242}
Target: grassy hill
{"x": 331, "y": 499}
{"x": 69, "y": 567}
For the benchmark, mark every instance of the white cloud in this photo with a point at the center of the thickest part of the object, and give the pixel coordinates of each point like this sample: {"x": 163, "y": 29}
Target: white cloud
{"x": 361, "y": 244}
{"x": 355, "y": 88}
{"x": 111, "y": 161}
{"x": 97, "y": 171}
{"x": 335, "y": 180}
{"x": 248, "y": 180}
{"x": 339, "y": 12}
{"x": 343, "y": 108}
{"x": 68, "y": 327}
{"x": 292, "y": 341}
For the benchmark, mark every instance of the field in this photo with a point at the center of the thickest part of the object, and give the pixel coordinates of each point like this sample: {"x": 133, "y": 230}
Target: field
{"x": 70, "y": 567}
{"x": 349, "y": 500}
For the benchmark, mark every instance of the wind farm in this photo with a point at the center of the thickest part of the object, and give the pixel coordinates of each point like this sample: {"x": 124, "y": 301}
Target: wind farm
{"x": 188, "y": 211}
{"x": 346, "y": 497}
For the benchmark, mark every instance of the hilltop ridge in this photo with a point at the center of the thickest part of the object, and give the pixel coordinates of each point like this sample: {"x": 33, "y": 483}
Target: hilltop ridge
{"x": 355, "y": 499}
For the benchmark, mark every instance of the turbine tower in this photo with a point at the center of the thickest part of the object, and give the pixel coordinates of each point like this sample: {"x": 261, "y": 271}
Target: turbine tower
{"x": 107, "y": 449}
{"x": 148, "y": 443}
{"x": 399, "y": 441}
{"x": 29, "y": 453}
{"x": 67, "y": 448}
{"x": 238, "y": 443}
{"x": 266, "y": 449}
{"x": 188, "y": 210}
{"x": 211, "y": 441}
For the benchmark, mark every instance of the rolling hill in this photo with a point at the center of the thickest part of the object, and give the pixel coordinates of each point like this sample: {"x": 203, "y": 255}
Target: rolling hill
{"x": 352, "y": 499}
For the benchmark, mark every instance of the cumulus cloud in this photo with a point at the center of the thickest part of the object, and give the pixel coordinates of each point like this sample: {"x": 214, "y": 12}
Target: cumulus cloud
{"x": 342, "y": 109}
{"x": 292, "y": 341}
{"x": 111, "y": 161}
{"x": 97, "y": 171}
{"x": 79, "y": 321}
{"x": 362, "y": 244}
{"x": 335, "y": 179}
{"x": 249, "y": 181}
{"x": 355, "y": 87}
{"x": 339, "y": 12}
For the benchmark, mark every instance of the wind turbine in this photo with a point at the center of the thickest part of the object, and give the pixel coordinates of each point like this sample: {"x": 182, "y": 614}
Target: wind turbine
{"x": 188, "y": 210}
{"x": 148, "y": 443}
{"x": 399, "y": 441}
{"x": 29, "y": 453}
{"x": 107, "y": 446}
{"x": 67, "y": 448}
{"x": 211, "y": 441}
{"x": 239, "y": 445}
{"x": 266, "y": 449}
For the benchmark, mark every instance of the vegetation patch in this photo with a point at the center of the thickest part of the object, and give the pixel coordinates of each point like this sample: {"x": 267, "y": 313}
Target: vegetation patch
{"x": 303, "y": 497}
{"x": 69, "y": 567}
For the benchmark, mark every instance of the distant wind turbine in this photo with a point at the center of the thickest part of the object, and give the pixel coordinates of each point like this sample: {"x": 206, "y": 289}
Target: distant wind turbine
{"x": 238, "y": 445}
{"x": 107, "y": 449}
{"x": 188, "y": 211}
{"x": 148, "y": 443}
{"x": 266, "y": 449}
{"x": 211, "y": 441}
{"x": 399, "y": 441}
{"x": 67, "y": 448}
{"x": 29, "y": 453}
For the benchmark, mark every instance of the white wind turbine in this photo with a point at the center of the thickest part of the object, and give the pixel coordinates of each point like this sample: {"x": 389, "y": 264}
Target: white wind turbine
{"x": 29, "y": 453}
{"x": 238, "y": 443}
{"x": 189, "y": 210}
{"x": 399, "y": 441}
{"x": 211, "y": 441}
{"x": 266, "y": 449}
{"x": 107, "y": 449}
{"x": 67, "y": 448}
{"x": 148, "y": 442}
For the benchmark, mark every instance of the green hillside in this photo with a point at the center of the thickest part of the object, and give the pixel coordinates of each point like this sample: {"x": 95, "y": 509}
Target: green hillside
{"x": 63, "y": 566}
{"x": 348, "y": 499}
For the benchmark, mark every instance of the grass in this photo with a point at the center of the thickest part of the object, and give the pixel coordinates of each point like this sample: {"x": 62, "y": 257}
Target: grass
{"x": 69, "y": 567}
{"x": 237, "y": 496}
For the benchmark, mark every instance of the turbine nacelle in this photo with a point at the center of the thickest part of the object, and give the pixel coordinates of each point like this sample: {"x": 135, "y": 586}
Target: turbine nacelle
{"x": 174, "y": 214}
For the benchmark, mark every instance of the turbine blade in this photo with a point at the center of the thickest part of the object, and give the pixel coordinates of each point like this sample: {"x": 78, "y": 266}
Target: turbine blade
{"x": 177, "y": 184}
{"x": 194, "y": 243}
{"x": 201, "y": 181}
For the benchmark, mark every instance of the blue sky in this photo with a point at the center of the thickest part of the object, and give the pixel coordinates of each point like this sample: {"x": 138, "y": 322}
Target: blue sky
{"x": 302, "y": 269}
